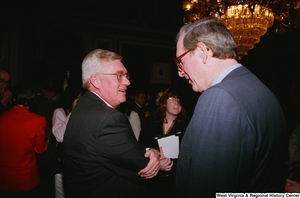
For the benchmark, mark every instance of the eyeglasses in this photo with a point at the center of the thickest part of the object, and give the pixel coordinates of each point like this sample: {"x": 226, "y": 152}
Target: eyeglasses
{"x": 173, "y": 100}
{"x": 178, "y": 61}
{"x": 120, "y": 75}
{"x": 4, "y": 81}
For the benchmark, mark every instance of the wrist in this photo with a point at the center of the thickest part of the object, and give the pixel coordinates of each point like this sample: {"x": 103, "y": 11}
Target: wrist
{"x": 155, "y": 150}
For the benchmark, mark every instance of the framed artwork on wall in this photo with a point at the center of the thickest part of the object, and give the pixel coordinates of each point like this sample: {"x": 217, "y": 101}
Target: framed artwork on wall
{"x": 161, "y": 73}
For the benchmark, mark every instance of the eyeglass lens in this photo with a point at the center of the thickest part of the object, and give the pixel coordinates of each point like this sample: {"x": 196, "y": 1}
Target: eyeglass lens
{"x": 172, "y": 99}
{"x": 120, "y": 76}
{"x": 178, "y": 60}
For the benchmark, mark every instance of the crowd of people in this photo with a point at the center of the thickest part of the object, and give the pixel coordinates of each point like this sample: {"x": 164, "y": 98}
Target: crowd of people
{"x": 114, "y": 144}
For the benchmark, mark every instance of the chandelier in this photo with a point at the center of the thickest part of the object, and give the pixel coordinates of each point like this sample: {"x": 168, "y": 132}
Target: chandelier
{"x": 247, "y": 20}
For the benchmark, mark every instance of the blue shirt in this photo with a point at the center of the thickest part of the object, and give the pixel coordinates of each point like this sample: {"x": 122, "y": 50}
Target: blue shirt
{"x": 224, "y": 73}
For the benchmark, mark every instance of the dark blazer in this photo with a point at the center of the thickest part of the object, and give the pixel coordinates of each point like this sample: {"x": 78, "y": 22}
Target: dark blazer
{"x": 102, "y": 156}
{"x": 235, "y": 140}
{"x": 45, "y": 107}
{"x": 140, "y": 110}
{"x": 152, "y": 127}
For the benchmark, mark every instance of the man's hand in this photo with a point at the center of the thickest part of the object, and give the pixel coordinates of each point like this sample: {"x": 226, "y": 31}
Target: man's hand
{"x": 153, "y": 166}
{"x": 165, "y": 162}
{"x": 292, "y": 186}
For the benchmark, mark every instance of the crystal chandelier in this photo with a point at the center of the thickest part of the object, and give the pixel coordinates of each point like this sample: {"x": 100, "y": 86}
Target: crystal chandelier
{"x": 247, "y": 20}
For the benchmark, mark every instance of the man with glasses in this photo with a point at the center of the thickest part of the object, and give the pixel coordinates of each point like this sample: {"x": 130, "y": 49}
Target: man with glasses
{"x": 5, "y": 92}
{"x": 235, "y": 141}
{"x": 102, "y": 155}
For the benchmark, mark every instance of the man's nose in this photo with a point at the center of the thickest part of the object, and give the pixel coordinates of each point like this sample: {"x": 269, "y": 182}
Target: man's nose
{"x": 126, "y": 82}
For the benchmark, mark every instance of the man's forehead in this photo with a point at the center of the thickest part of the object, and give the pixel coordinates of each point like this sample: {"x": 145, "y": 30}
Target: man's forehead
{"x": 114, "y": 66}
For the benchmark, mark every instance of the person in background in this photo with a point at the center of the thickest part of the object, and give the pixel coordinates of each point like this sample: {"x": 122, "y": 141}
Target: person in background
{"x": 152, "y": 105}
{"x": 168, "y": 119}
{"x": 51, "y": 92}
{"x": 59, "y": 123}
{"x": 292, "y": 184}
{"x": 61, "y": 115}
{"x": 139, "y": 100}
{"x": 132, "y": 116}
{"x": 101, "y": 154}
{"x": 6, "y": 101}
{"x": 236, "y": 139}
{"x": 45, "y": 107}
{"x": 158, "y": 96}
{"x": 294, "y": 150}
{"x": 22, "y": 136}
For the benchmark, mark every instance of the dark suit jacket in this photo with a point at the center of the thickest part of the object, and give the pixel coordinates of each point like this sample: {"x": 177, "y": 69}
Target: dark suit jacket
{"x": 234, "y": 141}
{"x": 140, "y": 110}
{"x": 152, "y": 128}
{"x": 45, "y": 107}
{"x": 102, "y": 156}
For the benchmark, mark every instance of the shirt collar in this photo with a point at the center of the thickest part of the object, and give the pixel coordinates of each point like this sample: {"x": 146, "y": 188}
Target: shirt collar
{"x": 102, "y": 99}
{"x": 224, "y": 73}
{"x": 138, "y": 105}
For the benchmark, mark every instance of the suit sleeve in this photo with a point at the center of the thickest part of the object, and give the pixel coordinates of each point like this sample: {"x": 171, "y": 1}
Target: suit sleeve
{"x": 147, "y": 133}
{"x": 118, "y": 147}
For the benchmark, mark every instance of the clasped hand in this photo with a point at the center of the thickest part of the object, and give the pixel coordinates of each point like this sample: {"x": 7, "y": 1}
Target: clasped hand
{"x": 166, "y": 163}
{"x": 153, "y": 166}
{"x": 156, "y": 163}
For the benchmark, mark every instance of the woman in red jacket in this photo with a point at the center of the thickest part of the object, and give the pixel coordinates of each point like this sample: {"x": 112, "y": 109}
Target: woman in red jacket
{"x": 22, "y": 136}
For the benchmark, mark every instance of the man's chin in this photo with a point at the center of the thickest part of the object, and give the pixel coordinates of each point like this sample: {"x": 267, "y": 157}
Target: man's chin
{"x": 122, "y": 99}
{"x": 195, "y": 88}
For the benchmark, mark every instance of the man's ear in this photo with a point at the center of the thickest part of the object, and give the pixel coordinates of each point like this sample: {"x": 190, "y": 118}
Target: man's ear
{"x": 95, "y": 81}
{"x": 204, "y": 51}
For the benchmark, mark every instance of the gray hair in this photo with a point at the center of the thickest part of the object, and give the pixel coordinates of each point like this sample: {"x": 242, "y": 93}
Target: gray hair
{"x": 92, "y": 63}
{"x": 213, "y": 33}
